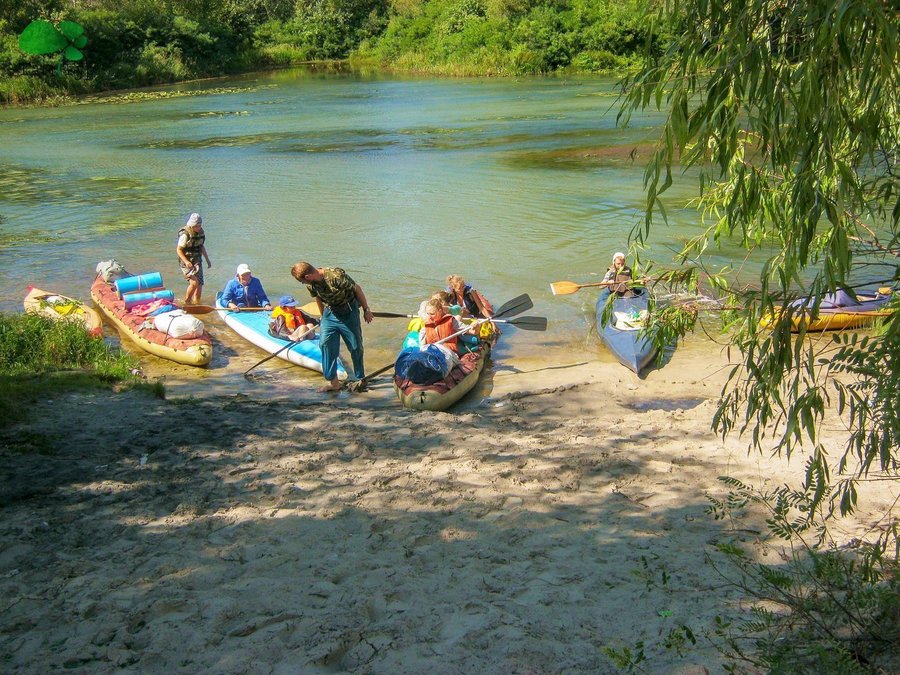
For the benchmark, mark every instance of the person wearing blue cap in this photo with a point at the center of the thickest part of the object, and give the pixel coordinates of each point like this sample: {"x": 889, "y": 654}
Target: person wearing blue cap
{"x": 289, "y": 321}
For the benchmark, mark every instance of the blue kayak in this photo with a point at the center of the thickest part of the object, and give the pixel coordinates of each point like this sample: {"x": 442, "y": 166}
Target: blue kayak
{"x": 621, "y": 334}
{"x": 254, "y": 327}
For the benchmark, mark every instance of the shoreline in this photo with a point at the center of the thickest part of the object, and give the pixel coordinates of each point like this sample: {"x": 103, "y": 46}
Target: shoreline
{"x": 348, "y": 65}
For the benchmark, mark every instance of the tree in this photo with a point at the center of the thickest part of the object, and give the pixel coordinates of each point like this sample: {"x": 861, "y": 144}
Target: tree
{"x": 788, "y": 113}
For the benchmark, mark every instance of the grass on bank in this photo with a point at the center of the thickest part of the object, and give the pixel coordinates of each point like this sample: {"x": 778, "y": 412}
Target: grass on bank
{"x": 40, "y": 357}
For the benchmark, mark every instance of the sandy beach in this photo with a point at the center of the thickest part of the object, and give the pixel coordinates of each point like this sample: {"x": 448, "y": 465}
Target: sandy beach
{"x": 306, "y": 533}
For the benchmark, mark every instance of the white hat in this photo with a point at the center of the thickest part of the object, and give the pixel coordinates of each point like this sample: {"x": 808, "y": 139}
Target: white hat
{"x": 243, "y": 268}
{"x": 194, "y": 220}
{"x": 617, "y": 254}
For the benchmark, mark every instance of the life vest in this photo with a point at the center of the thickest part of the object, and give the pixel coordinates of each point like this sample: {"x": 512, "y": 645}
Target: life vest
{"x": 621, "y": 277}
{"x": 293, "y": 317}
{"x": 193, "y": 247}
{"x": 470, "y": 305}
{"x": 442, "y": 328}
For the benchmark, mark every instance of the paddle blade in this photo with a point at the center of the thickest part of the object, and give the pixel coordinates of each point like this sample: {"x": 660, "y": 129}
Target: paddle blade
{"x": 529, "y": 322}
{"x": 198, "y": 309}
{"x": 564, "y": 287}
{"x": 312, "y": 309}
{"x": 515, "y": 306}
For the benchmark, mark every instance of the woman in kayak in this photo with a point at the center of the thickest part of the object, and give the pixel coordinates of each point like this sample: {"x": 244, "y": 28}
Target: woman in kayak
{"x": 472, "y": 303}
{"x": 619, "y": 276}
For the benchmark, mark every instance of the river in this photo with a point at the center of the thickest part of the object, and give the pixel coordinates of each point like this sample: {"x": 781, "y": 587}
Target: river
{"x": 512, "y": 183}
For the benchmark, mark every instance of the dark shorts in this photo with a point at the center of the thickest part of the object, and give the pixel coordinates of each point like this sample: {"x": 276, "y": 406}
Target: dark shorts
{"x": 195, "y": 271}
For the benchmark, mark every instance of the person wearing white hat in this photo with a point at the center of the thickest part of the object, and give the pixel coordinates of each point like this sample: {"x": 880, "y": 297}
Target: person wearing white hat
{"x": 191, "y": 249}
{"x": 244, "y": 290}
{"x": 618, "y": 275}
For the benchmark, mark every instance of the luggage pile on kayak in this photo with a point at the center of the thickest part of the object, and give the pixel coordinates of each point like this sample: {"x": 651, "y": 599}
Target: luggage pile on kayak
{"x": 836, "y": 311}
{"x": 431, "y": 393}
{"x": 144, "y": 311}
{"x": 421, "y": 388}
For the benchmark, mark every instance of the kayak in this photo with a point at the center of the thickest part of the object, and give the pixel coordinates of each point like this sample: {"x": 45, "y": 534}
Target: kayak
{"x": 837, "y": 311}
{"x": 621, "y": 334}
{"x": 444, "y": 393}
{"x": 254, "y": 327}
{"x": 63, "y": 308}
{"x": 191, "y": 352}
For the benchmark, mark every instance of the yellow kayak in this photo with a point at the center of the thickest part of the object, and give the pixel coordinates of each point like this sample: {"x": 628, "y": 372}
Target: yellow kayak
{"x": 63, "y": 308}
{"x": 191, "y": 351}
{"x": 864, "y": 312}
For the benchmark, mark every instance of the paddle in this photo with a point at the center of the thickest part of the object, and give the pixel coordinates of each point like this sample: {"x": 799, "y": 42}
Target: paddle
{"x": 394, "y": 315}
{"x": 526, "y": 322}
{"x": 206, "y": 309}
{"x": 569, "y": 287}
{"x": 310, "y": 328}
{"x": 310, "y": 309}
{"x": 517, "y": 305}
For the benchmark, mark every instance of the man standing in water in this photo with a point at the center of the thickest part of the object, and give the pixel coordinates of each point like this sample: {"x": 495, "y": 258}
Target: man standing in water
{"x": 191, "y": 250}
{"x": 339, "y": 299}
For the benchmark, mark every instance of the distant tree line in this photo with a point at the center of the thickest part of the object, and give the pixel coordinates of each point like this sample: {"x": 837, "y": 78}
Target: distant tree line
{"x": 142, "y": 42}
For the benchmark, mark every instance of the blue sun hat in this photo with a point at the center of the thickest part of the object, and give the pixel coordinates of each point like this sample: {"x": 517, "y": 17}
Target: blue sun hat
{"x": 287, "y": 301}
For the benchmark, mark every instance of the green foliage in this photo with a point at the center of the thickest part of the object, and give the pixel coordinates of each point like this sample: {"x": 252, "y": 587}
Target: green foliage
{"x": 142, "y": 42}
{"x": 789, "y": 118}
{"x": 510, "y": 36}
{"x": 32, "y": 344}
{"x": 40, "y": 356}
{"x": 627, "y": 659}
{"x": 824, "y": 609}
{"x": 787, "y": 114}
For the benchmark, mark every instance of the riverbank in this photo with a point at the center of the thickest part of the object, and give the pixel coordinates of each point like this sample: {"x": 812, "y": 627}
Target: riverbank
{"x": 152, "y": 44}
{"x": 239, "y": 532}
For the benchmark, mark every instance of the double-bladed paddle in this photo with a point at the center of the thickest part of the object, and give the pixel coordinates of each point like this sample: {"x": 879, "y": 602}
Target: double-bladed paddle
{"x": 310, "y": 309}
{"x": 523, "y": 322}
{"x": 526, "y": 322}
{"x": 517, "y": 305}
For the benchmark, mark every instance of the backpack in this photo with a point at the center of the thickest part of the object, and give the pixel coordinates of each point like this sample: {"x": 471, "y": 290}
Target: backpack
{"x": 110, "y": 270}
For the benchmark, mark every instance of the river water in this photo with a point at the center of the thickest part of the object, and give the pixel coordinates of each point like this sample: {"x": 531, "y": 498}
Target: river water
{"x": 512, "y": 183}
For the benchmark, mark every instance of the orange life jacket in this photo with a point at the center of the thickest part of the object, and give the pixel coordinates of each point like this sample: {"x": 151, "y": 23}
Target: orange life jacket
{"x": 440, "y": 329}
{"x": 293, "y": 317}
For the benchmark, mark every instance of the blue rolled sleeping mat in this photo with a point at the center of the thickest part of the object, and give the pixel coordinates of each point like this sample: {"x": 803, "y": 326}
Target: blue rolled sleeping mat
{"x": 141, "y": 282}
{"x": 132, "y": 299}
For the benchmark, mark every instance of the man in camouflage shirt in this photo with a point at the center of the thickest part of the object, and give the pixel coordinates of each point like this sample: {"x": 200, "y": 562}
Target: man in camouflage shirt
{"x": 339, "y": 299}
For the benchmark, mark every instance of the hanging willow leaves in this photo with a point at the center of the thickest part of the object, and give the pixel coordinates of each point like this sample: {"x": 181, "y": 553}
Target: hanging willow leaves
{"x": 788, "y": 115}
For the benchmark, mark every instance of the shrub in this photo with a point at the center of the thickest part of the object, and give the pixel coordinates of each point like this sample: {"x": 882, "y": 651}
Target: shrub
{"x": 597, "y": 61}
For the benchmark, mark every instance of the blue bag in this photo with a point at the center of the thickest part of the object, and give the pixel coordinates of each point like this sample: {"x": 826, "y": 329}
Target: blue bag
{"x": 421, "y": 366}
